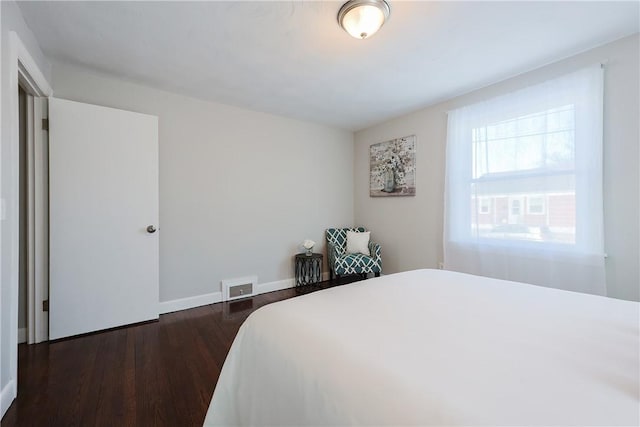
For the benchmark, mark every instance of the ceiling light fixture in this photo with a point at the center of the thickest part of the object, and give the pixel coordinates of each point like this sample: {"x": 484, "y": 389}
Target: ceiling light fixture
{"x": 362, "y": 18}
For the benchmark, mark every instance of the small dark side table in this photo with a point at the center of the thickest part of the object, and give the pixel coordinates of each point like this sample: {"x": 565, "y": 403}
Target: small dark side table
{"x": 308, "y": 269}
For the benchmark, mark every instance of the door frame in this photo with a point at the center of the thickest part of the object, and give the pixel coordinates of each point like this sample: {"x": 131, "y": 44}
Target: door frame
{"x": 22, "y": 69}
{"x": 37, "y": 220}
{"x": 511, "y": 217}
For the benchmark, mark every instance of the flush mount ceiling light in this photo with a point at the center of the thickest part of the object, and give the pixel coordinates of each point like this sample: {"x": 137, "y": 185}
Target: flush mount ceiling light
{"x": 362, "y": 18}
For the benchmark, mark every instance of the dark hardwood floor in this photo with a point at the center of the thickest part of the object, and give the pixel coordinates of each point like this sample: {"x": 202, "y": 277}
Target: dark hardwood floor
{"x": 153, "y": 374}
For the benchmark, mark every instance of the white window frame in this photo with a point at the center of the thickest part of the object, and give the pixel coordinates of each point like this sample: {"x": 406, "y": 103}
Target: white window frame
{"x": 541, "y": 197}
{"x": 489, "y": 201}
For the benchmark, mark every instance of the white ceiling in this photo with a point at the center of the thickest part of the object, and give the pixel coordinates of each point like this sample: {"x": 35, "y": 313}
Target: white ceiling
{"x": 291, "y": 58}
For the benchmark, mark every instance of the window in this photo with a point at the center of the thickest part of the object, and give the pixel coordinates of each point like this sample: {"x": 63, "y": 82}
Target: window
{"x": 535, "y": 152}
{"x": 533, "y": 159}
{"x": 484, "y": 206}
{"x": 536, "y": 206}
{"x": 515, "y": 207}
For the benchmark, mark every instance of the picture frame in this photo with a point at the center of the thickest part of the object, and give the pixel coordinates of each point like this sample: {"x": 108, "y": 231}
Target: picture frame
{"x": 392, "y": 168}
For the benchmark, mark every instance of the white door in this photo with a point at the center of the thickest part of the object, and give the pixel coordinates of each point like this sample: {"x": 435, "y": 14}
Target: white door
{"x": 516, "y": 204}
{"x": 103, "y": 195}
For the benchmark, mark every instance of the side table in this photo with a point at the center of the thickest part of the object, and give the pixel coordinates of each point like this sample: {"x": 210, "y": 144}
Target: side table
{"x": 308, "y": 269}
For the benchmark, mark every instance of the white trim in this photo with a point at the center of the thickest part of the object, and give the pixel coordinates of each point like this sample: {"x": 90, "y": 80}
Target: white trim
{"x": 31, "y": 237}
{"x": 30, "y": 73}
{"x": 215, "y": 297}
{"x": 10, "y": 226}
{"x": 275, "y": 286}
{"x": 22, "y": 69}
{"x": 189, "y": 302}
{"x": 39, "y": 223}
{"x": 3, "y": 406}
{"x": 7, "y": 395}
{"x": 280, "y": 285}
{"x": 22, "y": 335}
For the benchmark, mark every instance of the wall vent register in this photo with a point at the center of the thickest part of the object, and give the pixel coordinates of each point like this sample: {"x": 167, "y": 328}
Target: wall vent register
{"x": 240, "y": 287}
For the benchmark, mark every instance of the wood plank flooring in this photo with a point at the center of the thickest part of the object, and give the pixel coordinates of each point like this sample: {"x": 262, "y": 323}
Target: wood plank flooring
{"x": 153, "y": 374}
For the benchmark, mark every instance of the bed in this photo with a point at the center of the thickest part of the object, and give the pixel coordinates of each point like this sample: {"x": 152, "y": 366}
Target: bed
{"x": 432, "y": 347}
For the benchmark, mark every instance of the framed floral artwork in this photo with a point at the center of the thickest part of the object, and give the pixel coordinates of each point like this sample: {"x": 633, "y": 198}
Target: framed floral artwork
{"x": 392, "y": 167}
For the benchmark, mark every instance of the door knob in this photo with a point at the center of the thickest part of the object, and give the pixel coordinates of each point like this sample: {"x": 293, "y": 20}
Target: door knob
{"x": 151, "y": 229}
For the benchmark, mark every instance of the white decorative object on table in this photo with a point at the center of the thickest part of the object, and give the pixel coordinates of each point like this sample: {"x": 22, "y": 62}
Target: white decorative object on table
{"x": 308, "y": 245}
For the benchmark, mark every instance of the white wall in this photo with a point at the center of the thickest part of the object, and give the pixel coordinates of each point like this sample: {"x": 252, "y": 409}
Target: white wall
{"x": 11, "y": 20}
{"x": 410, "y": 229}
{"x": 239, "y": 190}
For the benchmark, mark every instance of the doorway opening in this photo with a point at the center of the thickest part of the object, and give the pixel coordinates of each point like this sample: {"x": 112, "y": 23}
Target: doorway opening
{"x": 33, "y": 216}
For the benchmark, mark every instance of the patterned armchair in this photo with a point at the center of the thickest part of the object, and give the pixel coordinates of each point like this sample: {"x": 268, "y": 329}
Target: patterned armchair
{"x": 341, "y": 263}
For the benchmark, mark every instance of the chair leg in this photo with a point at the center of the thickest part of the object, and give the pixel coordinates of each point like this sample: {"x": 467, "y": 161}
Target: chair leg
{"x": 377, "y": 274}
{"x": 330, "y": 274}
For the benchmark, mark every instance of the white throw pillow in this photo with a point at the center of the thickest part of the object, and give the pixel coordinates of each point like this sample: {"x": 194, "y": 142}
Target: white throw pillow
{"x": 358, "y": 243}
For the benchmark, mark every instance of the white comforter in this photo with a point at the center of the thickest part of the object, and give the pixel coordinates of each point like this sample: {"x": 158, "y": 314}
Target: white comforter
{"x": 431, "y": 347}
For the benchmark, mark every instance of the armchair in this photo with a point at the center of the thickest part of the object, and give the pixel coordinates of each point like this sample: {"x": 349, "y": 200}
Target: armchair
{"x": 342, "y": 263}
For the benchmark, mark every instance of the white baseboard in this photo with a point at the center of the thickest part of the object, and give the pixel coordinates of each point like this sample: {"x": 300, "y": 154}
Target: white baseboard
{"x": 282, "y": 284}
{"x": 275, "y": 286}
{"x": 190, "y": 302}
{"x": 7, "y": 395}
{"x": 22, "y": 335}
{"x": 214, "y": 297}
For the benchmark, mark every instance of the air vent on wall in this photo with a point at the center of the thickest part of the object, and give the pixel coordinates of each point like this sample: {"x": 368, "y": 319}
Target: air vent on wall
{"x": 240, "y": 287}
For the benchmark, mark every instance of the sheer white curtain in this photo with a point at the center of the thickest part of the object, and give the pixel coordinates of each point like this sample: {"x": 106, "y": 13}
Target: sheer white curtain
{"x": 523, "y": 191}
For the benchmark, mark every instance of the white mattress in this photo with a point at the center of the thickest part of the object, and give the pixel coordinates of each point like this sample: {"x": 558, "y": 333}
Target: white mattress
{"x": 431, "y": 347}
